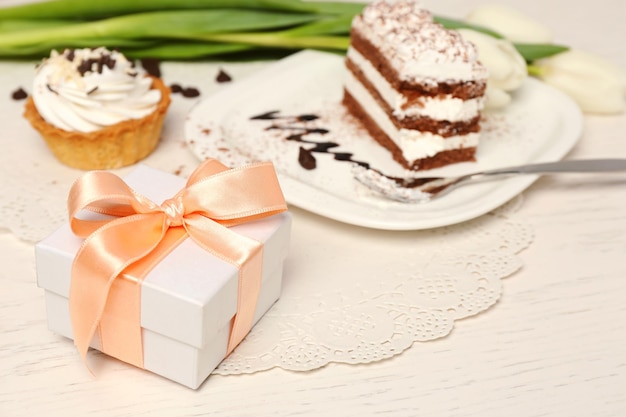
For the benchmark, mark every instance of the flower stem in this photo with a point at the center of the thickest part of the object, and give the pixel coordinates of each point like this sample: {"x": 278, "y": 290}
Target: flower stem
{"x": 534, "y": 70}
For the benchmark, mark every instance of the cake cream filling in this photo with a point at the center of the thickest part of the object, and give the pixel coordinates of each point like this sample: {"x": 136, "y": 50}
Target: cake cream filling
{"x": 414, "y": 144}
{"x": 438, "y": 108}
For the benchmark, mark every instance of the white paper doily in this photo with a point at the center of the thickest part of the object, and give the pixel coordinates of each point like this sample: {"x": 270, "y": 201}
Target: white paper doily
{"x": 361, "y": 310}
{"x": 340, "y": 302}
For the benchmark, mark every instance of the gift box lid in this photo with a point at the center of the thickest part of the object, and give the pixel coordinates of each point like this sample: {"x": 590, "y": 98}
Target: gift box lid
{"x": 190, "y": 294}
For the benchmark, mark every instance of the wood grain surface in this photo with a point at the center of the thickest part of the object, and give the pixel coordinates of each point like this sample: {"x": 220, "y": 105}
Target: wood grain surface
{"x": 555, "y": 344}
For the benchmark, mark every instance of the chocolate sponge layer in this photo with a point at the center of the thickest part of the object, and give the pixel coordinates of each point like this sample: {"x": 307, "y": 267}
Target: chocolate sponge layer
{"x": 436, "y": 161}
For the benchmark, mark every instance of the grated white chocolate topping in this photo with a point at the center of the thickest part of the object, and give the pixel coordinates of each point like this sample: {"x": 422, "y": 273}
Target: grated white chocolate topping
{"x": 417, "y": 47}
{"x": 386, "y": 16}
{"x": 87, "y": 89}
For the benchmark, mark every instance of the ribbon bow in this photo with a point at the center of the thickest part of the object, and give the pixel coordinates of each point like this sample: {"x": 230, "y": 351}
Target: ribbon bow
{"x": 214, "y": 198}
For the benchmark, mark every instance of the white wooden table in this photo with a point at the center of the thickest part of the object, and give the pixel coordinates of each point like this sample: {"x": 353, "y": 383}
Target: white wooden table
{"x": 554, "y": 345}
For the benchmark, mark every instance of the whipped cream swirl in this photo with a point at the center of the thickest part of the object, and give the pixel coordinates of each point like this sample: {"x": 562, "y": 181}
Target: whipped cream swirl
{"x": 87, "y": 89}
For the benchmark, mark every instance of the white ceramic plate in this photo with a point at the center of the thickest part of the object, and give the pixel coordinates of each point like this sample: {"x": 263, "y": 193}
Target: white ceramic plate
{"x": 540, "y": 125}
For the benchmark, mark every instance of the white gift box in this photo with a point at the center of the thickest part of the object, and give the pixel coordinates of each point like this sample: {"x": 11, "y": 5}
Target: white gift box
{"x": 187, "y": 300}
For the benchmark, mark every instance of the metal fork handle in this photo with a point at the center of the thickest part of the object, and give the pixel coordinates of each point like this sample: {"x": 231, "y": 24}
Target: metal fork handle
{"x": 582, "y": 165}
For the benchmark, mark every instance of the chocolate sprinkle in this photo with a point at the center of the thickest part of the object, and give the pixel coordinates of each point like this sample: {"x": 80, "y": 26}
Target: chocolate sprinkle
{"x": 101, "y": 62}
{"x": 19, "y": 94}
{"x": 152, "y": 66}
{"x": 306, "y": 159}
{"x": 223, "y": 77}
{"x": 188, "y": 92}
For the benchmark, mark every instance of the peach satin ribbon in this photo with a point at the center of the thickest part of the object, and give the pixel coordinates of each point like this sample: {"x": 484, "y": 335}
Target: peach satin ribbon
{"x": 142, "y": 232}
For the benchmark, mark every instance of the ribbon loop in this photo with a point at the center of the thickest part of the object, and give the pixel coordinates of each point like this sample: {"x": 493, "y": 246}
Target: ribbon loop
{"x": 138, "y": 230}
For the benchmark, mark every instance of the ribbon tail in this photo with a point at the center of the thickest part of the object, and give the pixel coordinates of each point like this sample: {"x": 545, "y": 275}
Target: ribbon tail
{"x": 243, "y": 252}
{"x": 99, "y": 261}
{"x": 249, "y": 287}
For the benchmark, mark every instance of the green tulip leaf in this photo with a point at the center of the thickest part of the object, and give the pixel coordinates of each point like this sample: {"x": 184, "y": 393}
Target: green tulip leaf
{"x": 534, "y": 51}
{"x": 458, "y": 24}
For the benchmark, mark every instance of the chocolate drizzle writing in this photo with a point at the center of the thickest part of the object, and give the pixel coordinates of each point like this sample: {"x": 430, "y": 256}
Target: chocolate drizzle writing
{"x": 298, "y": 128}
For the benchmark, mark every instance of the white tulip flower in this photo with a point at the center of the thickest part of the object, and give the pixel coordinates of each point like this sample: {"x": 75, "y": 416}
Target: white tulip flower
{"x": 510, "y": 23}
{"x": 496, "y": 98}
{"x": 597, "y": 85}
{"x": 507, "y": 68}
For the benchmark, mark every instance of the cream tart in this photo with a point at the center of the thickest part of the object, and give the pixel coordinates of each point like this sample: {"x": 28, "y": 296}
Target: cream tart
{"x": 95, "y": 109}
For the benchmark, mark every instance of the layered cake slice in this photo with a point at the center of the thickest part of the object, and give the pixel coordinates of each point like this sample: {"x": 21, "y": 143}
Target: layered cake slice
{"x": 417, "y": 87}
